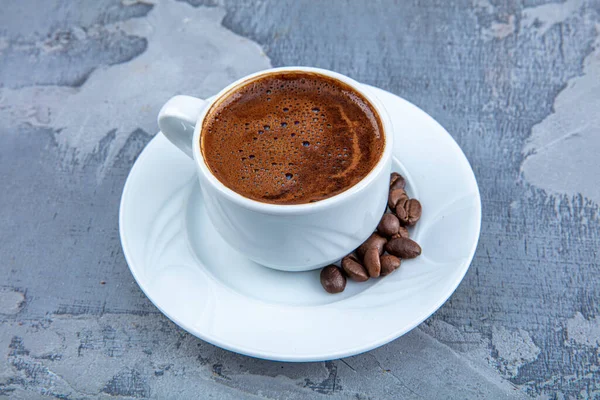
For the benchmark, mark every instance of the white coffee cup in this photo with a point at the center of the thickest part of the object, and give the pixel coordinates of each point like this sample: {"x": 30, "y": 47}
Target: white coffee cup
{"x": 297, "y": 237}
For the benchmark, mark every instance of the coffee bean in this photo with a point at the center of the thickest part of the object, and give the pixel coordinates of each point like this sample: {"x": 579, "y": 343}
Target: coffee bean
{"x": 397, "y": 181}
{"x": 403, "y": 248}
{"x": 354, "y": 269}
{"x": 402, "y": 232}
{"x": 396, "y": 196}
{"x": 401, "y": 213}
{"x": 389, "y": 264}
{"x": 373, "y": 241}
{"x": 372, "y": 262}
{"x": 389, "y": 225}
{"x": 332, "y": 279}
{"x": 394, "y": 176}
{"x": 413, "y": 211}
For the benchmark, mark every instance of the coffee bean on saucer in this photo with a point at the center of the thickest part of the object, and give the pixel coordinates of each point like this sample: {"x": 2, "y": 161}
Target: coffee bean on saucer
{"x": 413, "y": 211}
{"x": 403, "y": 248}
{"x": 354, "y": 269}
{"x": 374, "y": 240}
{"x": 397, "y": 181}
{"x": 372, "y": 262}
{"x": 394, "y": 176}
{"x": 401, "y": 213}
{"x": 389, "y": 225}
{"x": 389, "y": 264}
{"x": 396, "y": 196}
{"x": 402, "y": 232}
{"x": 332, "y": 279}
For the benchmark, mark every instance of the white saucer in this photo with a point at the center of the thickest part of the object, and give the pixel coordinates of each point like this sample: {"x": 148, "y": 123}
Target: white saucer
{"x": 216, "y": 294}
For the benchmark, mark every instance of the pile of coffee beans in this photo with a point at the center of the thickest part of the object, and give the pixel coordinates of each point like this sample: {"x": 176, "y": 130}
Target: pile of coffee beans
{"x": 382, "y": 253}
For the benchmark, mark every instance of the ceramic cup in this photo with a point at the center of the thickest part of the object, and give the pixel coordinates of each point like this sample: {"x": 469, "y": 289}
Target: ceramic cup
{"x": 297, "y": 237}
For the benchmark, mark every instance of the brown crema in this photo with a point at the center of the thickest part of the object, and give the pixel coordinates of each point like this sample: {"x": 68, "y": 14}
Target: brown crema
{"x": 291, "y": 138}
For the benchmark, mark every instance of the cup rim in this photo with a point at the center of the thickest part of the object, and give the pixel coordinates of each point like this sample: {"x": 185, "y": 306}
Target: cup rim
{"x": 294, "y": 209}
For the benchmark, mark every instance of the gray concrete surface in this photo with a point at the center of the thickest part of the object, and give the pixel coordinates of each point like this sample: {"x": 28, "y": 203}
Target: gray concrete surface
{"x": 517, "y": 83}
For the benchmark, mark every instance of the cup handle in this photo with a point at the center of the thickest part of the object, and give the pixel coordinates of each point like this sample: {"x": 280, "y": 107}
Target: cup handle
{"x": 177, "y": 119}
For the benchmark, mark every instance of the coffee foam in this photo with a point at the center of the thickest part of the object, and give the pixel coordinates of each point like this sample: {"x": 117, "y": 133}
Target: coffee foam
{"x": 291, "y": 138}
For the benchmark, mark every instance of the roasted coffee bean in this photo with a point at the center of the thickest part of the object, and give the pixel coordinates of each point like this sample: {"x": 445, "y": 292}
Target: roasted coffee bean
{"x": 372, "y": 262}
{"x": 394, "y": 176}
{"x": 354, "y": 269}
{"x": 373, "y": 241}
{"x": 403, "y": 248}
{"x": 413, "y": 211}
{"x": 401, "y": 213}
{"x": 389, "y": 225}
{"x": 389, "y": 264}
{"x": 395, "y": 196}
{"x": 332, "y": 279}
{"x": 397, "y": 181}
{"x": 402, "y": 232}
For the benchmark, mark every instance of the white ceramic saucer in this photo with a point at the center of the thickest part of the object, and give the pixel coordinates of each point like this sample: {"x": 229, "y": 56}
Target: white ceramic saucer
{"x": 213, "y": 292}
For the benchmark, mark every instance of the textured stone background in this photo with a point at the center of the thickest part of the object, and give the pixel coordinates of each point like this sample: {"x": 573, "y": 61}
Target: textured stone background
{"x": 517, "y": 83}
